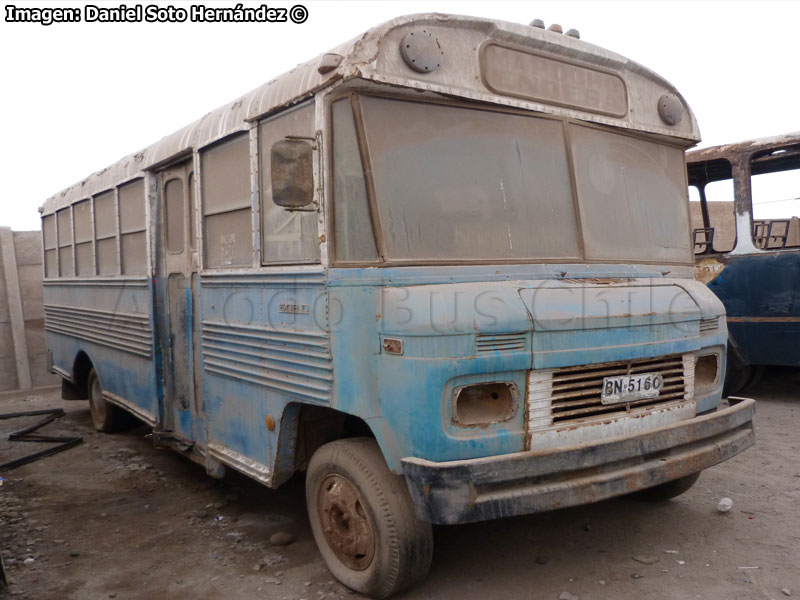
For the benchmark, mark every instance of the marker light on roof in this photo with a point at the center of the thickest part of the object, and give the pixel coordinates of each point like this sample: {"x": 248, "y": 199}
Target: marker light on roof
{"x": 670, "y": 109}
{"x": 421, "y": 50}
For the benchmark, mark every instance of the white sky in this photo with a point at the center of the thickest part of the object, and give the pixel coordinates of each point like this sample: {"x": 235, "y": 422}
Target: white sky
{"x": 77, "y": 97}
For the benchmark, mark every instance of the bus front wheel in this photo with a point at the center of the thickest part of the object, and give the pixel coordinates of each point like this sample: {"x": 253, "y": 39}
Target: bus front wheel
{"x": 363, "y": 519}
{"x": 106, "y": 417}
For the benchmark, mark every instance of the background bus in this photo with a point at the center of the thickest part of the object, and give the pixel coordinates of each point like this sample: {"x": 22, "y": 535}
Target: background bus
{"x": 445, "y": 269}
{"x": 746, "y": 220}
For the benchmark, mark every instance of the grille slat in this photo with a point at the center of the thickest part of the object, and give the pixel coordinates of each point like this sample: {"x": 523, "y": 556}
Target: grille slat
{"x": 593, "y": 397}
{"x": 606, "y": 408}
{"x": 676, "y": 366}
{"x": 667, "y": 374}
{"x": 572, "y": 395}
{"x": 709, "y": 323}
{"x": 503, "y": 342}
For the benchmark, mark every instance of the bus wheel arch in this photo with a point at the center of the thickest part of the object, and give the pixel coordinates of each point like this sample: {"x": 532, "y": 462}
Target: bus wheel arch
{"x": 78, "y": 388}
{"x": 106, "y": 416}
{"x": 306, "y": 427}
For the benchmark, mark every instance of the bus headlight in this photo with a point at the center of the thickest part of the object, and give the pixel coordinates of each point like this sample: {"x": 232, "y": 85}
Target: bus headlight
{"x": 482, "y": 404}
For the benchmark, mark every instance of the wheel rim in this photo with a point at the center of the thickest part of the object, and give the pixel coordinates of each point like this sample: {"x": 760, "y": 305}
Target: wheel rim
{"x": 346, "y": 525}
{"x": 96, "y": 402}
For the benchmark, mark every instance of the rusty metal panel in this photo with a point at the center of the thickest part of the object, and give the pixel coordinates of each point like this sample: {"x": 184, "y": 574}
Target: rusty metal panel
{"x": 547, "y": 479}
{"x": 109, "y": 320}
{"x": 121, "y": 330}
{"x": 731, "y": 151}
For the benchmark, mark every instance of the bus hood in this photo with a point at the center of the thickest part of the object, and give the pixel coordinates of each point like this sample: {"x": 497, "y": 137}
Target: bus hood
{"x": 598, "y": 319}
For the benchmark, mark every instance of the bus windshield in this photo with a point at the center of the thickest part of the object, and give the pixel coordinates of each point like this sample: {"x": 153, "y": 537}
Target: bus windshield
{"x": 454, "y": 183}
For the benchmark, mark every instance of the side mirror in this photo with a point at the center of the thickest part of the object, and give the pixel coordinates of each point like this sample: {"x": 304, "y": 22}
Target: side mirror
{"x": 292, "y": 173}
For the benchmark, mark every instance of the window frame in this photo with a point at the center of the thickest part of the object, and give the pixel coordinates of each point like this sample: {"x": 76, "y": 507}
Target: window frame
{"x": 201, "y": 198}
{"x": 60, "y": 246}
{"x": 90, "y": 203}
{"x": 115, "y": 236}
{"x": 317, "y": 204}
{"x": 121, "y": 234}
{"x": 378, "y": 233}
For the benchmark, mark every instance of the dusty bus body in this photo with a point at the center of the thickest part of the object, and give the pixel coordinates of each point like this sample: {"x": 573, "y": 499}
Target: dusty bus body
{"x": 752, "y": 264}
{"x": 444, "y": 268}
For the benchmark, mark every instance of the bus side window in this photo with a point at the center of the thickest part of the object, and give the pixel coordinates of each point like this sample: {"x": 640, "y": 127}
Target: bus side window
{"x": 227, "y": 204}
{"x": 287, "y": 236}
{"x": 714, "y": 179}
{"x": 50, "y": 246}
{"x": 132, "y": 228}
{"x": 775, "y": 189}
{"x": 64, "y": 221}
{"x": 173, "y": 215}
{"x": 105, "y": 231}
{"x": 84, "y": 257}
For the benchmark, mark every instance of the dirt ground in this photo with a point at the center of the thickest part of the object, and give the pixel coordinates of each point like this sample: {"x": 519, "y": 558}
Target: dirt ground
{"x": 116, "y": 518}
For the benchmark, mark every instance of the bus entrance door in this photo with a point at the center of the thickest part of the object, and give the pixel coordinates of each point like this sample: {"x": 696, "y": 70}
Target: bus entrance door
{"x": 178, "y": 264}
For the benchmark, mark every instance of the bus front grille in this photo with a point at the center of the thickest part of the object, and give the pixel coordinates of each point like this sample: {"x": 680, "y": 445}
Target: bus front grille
{"x": 572, "y": 395}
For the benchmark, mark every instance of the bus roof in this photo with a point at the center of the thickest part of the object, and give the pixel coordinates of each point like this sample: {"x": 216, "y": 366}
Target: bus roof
{"x": 743, "y": 147}
{"x": 571, "y": 67}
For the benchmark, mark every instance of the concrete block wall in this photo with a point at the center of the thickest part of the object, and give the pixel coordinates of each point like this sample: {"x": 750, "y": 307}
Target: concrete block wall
{"x": 23, "y": 351}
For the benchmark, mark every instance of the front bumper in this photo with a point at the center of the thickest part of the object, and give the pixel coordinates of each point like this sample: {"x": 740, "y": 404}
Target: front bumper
{"x": 480, "y": 489}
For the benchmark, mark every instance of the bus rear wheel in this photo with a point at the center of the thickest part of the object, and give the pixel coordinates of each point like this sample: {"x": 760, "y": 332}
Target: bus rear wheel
{"x": 363, "y": 519}
{"x": 106, "y": 417}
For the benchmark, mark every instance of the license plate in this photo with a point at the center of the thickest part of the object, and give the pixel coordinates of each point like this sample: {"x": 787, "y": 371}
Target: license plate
{"x": 626, "y": 388}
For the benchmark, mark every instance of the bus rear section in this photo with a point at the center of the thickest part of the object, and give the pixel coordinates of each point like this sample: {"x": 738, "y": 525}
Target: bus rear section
{"x": 444, "y": 269}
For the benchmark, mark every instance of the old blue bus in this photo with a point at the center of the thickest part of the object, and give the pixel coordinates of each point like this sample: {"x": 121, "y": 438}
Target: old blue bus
{"x": 746, "y": 222}
{"x": 445, "y": 269}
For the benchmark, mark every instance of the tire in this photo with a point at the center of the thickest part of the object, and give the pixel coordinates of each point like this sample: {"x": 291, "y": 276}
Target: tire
{"x": 667, "y": 491}
{"x": 756, "y": 375}
{"x": 363, "y": 519}
{"x": 736, "y": 379}
{"x": 106, "y": 417}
